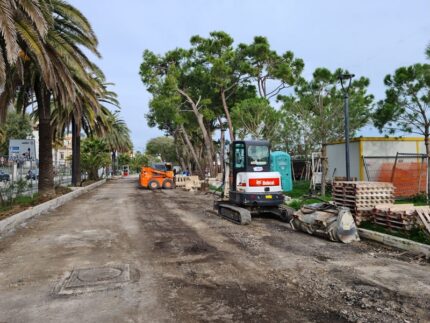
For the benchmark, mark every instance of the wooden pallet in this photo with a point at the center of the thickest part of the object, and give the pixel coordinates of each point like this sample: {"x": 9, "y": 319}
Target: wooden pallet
{"x": 361, "y": 197}
{"x": 423, "y": 214}
{"x": 399, "y": 217}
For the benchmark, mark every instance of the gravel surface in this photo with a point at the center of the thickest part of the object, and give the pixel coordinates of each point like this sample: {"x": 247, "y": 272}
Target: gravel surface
{"x": 188, "y": 265}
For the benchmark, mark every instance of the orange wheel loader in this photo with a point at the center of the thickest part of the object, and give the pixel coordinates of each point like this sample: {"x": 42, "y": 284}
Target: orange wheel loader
{"x": 156, "y": 177}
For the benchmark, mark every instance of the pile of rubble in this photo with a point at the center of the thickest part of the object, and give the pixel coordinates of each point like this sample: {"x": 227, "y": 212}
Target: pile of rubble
{"x": 362, "y": 197}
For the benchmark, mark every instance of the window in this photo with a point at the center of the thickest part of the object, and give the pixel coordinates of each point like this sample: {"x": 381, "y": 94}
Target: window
{"x": 239, "y": 156}
{"x": 258, "y": 155}
{"x": 61, "y": 155}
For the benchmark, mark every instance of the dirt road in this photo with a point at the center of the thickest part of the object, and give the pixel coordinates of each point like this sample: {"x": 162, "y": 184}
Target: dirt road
{"x": 160, "y": 257}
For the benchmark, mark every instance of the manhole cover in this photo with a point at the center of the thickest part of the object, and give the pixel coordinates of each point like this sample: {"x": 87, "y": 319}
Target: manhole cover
{"x": 93, "y": 279}
{"x": 98, "y": 274}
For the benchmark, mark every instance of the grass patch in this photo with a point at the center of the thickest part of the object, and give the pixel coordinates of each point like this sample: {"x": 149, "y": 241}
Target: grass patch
{"x": 300, "y": 188}
{"x": 417, "y": 200}
{"x": 300, "y": 195}
{"x": 21, "y": 203}
{"x": 417, "y": 235}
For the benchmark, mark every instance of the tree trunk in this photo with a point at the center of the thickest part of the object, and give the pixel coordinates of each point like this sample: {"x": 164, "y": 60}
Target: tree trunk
{"x": 227, "y": 115}
{"x": 210, "y": 156}
{"x": 46, "y": 169}
{"x": 178, "y": 154}
{"x": 5, "y": 99}
{"x": 222, "y": 155}
{"x": 113, "y": 162}
{"x": 76, "y": 154}
{"x": 192, "y": 150}
{"x": 324, "y": 169}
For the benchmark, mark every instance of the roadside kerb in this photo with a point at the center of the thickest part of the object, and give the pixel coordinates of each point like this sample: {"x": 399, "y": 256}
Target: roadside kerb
{"x": 392, "y": 241}
{"x": 11, "y": 223}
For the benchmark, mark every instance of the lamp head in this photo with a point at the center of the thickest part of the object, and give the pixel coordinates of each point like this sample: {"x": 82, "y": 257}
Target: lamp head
{"x": 344, "y": 78}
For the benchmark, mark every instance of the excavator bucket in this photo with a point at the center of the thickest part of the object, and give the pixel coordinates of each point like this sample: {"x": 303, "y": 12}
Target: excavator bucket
{"x": 326, "y": 220}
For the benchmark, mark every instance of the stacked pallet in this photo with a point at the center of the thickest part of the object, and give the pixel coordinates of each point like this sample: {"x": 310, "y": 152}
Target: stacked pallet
{"x": 402, "y": 216}
{"x": 362, "y": 197}
{"x": 398, "y": 217}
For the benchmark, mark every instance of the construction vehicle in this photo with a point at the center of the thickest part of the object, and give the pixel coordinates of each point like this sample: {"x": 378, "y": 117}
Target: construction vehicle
{"x": 250, "y": 188}
{"x": 157, "y": 176}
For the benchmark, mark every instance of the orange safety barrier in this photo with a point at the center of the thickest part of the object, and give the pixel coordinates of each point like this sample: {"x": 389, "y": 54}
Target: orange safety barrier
{"x": 409, "y": 178}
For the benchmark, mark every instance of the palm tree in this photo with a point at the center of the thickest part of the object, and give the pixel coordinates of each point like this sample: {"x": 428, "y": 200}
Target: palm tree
{"x": 71, "y": 77}
{"x": 88, "y": 115}
{"x": 117, "y": 135}
{"x": 23, "y": 26}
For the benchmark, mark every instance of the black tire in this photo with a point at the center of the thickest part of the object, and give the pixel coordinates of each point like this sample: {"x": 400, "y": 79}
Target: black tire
{"x": 153, "y": 185}
{"x": 168, "y": 184}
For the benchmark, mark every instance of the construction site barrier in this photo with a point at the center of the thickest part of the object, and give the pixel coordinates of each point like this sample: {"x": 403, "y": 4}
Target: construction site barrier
{"x": 187, "y": 182}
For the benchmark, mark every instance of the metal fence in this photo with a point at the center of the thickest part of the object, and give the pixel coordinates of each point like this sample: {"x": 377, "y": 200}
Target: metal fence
{"x": 20, "y": 178}
{"x": 408, "y": 172}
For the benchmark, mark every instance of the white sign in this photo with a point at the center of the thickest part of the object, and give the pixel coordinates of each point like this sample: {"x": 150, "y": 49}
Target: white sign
{"x": 22, "y": 149}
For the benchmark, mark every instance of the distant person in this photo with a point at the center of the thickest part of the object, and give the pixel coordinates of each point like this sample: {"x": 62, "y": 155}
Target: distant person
{"x": 186, "y": 172}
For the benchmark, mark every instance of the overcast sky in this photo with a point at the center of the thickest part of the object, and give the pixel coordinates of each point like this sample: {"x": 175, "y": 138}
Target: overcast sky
{"x": 367, "y": 37}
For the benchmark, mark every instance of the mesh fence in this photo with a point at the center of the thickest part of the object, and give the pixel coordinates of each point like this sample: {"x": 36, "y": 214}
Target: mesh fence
{"x": 407, "y": 172}
{"x": 20, "y": 177}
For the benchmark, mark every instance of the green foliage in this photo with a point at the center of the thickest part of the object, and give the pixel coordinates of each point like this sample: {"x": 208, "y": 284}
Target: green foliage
{"x": 300, "y": 188}
{"x": 17, "y": 126}
{"x": 256, "y": 118}
{"x": 12, "y": 191}
{"x": 124, "y": 159}
{"x": 138, "y": 161}
{"x": 406, "y": 106}
{"x": 315, "y": 111}
{"x": 116, "y": 134}
{"x": 95, "y": 154}
{"x": 163, "y": 147}
{"x": 194, "y": 90}
{"x": 264, "y": 66}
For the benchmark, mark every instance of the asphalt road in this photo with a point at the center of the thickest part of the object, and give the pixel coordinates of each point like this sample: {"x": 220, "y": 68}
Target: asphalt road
{"x": 122, "y": 254}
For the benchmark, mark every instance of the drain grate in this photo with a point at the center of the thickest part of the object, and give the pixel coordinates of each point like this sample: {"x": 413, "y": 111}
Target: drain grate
{"x": 93, "y": 279}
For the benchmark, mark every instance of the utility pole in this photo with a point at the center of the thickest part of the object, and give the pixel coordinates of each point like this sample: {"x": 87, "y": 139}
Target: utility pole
{"x": 345, "y": 81}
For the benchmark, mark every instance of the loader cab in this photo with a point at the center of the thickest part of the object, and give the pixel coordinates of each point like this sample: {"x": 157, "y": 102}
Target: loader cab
{"x": 248, "y": 156}
{"x": 164, "y": 167}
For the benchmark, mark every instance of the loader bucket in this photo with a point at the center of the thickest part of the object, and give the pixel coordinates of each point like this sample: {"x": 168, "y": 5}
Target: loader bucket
{"x": 326, "y": 220}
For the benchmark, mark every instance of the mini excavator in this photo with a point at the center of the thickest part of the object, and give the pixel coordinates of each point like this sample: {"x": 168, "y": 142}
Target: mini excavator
{"x": 250, "y": 188}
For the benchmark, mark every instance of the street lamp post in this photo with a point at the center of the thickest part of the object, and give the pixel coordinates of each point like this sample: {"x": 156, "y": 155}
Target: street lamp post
{"x": 345, "y": 81}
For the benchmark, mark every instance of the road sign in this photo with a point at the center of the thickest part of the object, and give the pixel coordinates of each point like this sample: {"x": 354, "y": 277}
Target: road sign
{"x": 22, "y": 149}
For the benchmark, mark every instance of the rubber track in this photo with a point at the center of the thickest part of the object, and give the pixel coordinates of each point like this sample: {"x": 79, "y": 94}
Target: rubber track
{"x": 234, "y": 214}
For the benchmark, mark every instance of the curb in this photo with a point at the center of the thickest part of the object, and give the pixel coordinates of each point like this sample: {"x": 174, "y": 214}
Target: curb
{"x": 11, "y": 223}
{"x": 392, "y": 241}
